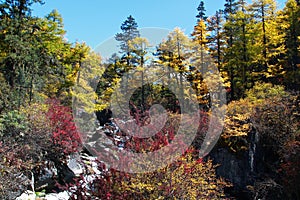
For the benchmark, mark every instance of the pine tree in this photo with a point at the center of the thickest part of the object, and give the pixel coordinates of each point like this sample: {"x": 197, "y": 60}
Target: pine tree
{"x": 238, "y": 55}
{"x": 269, "y": 40}
{"x": 230, "y": 8}
{"x": 216, "y": 38}
{"x": 129, "y": 31}
{"x": 291, "y": 16}
{"x": 201, "y": 12}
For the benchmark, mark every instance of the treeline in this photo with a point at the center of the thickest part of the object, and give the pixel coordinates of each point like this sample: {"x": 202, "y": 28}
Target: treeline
{"x": 248, "y": 43}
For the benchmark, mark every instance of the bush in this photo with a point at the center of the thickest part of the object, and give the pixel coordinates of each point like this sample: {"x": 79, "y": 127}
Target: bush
{"x": 12, "y": 124}
{"x": 64, "y": 131}
{"x": 187, "y": 178}
{"x": 243, "y": 115}
{"x": 32, "y": 138}
{"x": 263, "y": 91}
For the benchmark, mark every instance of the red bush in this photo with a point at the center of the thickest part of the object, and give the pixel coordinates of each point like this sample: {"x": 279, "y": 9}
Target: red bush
{"x": 64, "y": 131}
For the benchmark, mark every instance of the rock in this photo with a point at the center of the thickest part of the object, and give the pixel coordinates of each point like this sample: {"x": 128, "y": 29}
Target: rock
{"x": 82, "y": 163}
{"x": 28, "y": 195}
{"x": 55, "y": 196}
{"x": 242, "y": 168}
{"x": 56, "y": 172}
{"x": 75, "y": 165}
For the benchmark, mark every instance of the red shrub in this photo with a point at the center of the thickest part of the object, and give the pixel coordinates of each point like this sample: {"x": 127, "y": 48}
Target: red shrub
{"x": 64, "y": 131}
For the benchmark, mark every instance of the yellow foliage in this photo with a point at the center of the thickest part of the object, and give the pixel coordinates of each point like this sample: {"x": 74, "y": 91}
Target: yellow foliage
{"x": 187, "y": 178}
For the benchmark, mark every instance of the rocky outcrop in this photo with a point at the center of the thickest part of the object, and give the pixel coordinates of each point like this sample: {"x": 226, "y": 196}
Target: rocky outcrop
{"x": 247, "y": 169}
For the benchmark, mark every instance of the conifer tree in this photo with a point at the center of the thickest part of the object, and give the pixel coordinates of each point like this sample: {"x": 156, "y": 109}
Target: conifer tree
{"x": 291, "y": 16}
{"x": 239, "y": 53}
{"x": 269, "y": 41}
{"x": 129, "y": 31}
{"x": 201, "y": 12}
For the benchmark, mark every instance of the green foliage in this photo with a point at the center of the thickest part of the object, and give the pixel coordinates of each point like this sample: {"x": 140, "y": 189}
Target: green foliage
{"x": 263, "y": 91}
{"x": 290, "y": 18}
{"x": 201, "y": 10}
{"x": 129, "y": 32}
{"x": 6, "y": 99}
{"x": 13, "y": 123}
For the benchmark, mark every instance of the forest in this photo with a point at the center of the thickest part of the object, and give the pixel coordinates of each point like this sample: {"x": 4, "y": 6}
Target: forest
{"x": 209, "y": 115}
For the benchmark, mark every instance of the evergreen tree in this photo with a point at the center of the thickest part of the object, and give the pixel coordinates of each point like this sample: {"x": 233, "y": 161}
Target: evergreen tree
{"x": 291, "y": 16}
{"x": 240, "y": 49}
{"x": 269, "y": 41}
{"x": 216, "y": 38}
{"x": 129, "y": 31}
{"x": 230, "y": 8}
{"x": 201, "y": 12}
{"x": 25, "y": 48}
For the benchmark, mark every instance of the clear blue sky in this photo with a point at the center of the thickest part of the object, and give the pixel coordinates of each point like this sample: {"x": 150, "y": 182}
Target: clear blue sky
{"x": 94, "y": 21}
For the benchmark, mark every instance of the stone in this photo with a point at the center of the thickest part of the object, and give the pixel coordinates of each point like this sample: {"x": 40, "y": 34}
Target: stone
{"x": 28, "y": 195}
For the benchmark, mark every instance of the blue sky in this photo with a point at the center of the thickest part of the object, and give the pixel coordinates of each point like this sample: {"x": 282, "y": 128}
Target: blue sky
{"x": 94, "y": 21}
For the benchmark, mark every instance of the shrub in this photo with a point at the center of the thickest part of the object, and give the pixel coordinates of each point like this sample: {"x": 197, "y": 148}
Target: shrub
{"x": 64, "y": 131}
{"x": 188, "y": 177}
{"x": 13, "y": 123}
{"x": 262, "y": 91}
{"x": 32, "y": 138}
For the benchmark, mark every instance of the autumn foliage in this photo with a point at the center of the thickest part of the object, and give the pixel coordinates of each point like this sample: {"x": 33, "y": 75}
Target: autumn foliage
{"x": 39, "y": 134}
{"x": 187, "y": 178}
{"x": 64, "y": 131}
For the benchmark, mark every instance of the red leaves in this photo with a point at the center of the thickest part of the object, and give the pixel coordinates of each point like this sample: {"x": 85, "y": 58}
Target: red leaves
{"x": 290, "y": 165}
{"x": 64, "y": 131}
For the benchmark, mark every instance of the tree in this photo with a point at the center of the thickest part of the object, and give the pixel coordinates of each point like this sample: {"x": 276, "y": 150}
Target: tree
{"x": 86, "y": 80}
{"x": 20, "y": 57}
{"x": 240, "y": 53}
{"x": 216, "y": 38}
{"x": 109, "y": 80}
{"x": 201, "y": 10}
{"x": 139, "y": 48}
{"x": 269, "y": 41}
{"x": 129, "y": 32}
{"x": 291, "y": 14}
{"x": 174, "y": 53}
{"x": 55, "y": 83}
{"x": 231, "y": 7}
{"x": 200, "y": 65}
{"x": 34, "y": 49}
